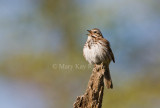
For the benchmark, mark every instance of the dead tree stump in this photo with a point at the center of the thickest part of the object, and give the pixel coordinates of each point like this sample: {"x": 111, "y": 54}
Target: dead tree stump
{"x": 94, "y": 93}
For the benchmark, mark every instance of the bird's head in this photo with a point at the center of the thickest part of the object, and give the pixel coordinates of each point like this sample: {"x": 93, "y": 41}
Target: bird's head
{"x": 95, "y": 33}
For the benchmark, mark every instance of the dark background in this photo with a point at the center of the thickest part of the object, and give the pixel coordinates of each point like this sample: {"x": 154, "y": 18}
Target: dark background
{"x": 41, "y": 59}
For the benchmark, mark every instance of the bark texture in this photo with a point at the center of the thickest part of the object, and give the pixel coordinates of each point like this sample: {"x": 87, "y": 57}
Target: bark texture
{"x": 94, "y": 92}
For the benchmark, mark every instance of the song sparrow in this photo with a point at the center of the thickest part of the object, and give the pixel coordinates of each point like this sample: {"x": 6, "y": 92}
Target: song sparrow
{"x": 97, "y": 51}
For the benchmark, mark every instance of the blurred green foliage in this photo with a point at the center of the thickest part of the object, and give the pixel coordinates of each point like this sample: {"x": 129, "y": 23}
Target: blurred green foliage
{"x": 135, "y": 44}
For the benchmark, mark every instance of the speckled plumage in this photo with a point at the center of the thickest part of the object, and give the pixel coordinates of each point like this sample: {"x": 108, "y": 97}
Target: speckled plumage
{"x": 97, "y": 51}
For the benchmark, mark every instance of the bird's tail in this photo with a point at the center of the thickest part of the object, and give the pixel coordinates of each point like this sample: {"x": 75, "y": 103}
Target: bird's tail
{"x": 107, "y": 77}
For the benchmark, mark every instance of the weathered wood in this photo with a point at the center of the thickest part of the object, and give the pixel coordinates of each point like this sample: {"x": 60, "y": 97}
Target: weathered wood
{"x": 94, "y": 93}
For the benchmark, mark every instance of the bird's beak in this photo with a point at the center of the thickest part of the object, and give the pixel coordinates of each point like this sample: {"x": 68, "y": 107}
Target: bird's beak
{"x": 89, "y": 32}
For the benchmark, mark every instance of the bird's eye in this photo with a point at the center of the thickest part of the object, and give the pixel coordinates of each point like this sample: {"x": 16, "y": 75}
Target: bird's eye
{"x": 95, "y": 31}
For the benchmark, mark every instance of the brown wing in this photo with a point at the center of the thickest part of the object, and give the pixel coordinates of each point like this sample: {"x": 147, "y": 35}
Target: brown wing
{"x": 111, "y": 53}
{"x": 109, "y": 48}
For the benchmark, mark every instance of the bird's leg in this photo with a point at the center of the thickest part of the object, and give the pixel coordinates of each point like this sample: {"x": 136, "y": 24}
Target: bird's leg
{"x": 102, "y": 66}
{"x": 96, "y": 67}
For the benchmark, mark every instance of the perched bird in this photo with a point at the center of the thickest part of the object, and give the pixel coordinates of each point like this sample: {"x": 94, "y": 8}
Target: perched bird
{"x": 97, "y": 51}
